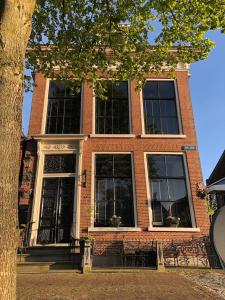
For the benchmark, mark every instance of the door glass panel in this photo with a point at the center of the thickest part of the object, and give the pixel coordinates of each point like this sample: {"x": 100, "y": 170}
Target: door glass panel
{"x": 56, "y": 212}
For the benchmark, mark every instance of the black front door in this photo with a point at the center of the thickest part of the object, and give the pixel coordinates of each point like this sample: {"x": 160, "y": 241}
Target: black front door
{"x": 56, "y": 212}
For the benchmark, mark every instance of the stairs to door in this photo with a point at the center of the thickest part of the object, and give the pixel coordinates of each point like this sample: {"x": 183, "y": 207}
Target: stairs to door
{"x": 49, "y": 259}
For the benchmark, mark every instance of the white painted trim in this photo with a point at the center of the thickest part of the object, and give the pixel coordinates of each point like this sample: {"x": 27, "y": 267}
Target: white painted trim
{"x": 38, "y": 185}
{"x": 112, "y": 135}
{"x": 93, "y": 110}
{"x": 115, "y": 229}
{"x": 56, "y": 175}
{"x": 190, "y": 202}
{"x": 129, "y": 106}
{"x": 81, "y": 106}
{"x": 36, "y": 197}
{"x": 78, "y": 192}
{"x": 45, "y": 106}
{"x": 59, "y": 137}
{"x": 177, "y": 108}
{"x": 94, "y": 134}
{"x": 180, "y": 125}
{"x": 93, "y": 187}
{"x": 163, "y": 136}
{"x": 174, "y": 229}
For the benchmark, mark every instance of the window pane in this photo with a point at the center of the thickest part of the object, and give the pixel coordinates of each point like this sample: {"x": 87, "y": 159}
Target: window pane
{"x": 113, "y": 191}
{"x": 150, "y": 90}
{"x": 104, "y": 204}
{"x": 174, "y": 165}
{"x": 122, "y": 166}
{"x": 104, "y": 165}
{"x": 156, "y": 166}
{"x": 169, "y": 197}
{"x": 166, "y": 89}
{"x": 64, "y": 163}
{"x": 124, "y": 201}
{"x": 114, "y": 111}
{"x": 168, "y": 108}
{"x": 64, "y": 103}
{"x": 159, "y": 190}
{"x": 56, "y": 89}
{"x": 120, "y": 89}
{"x": 160, "y": 111}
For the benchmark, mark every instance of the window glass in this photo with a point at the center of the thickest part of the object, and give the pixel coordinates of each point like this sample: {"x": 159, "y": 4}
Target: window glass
{"x": 112, "y": 114}
{"x": 113, "y": 190}
{"x": 169, "y": 199}
{"x": 64, "y": 108}
{"x": 160, "y": 112}
{"x": 64, "y": 163}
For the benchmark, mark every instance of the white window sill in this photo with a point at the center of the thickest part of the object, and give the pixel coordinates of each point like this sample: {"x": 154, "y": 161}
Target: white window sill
{"x": 174, "y": 229}
{"x": 112, "y": 135}
{"x": 163, "y": 136}
{"x": 109, "y": 229}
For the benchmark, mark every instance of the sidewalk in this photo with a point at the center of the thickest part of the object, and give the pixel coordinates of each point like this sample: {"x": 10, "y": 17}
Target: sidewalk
{"x": 98, "y": 286}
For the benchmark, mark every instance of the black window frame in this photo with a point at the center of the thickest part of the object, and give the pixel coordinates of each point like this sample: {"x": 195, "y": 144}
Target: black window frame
{"x": 116, "y": 102}
{"x": 65, "y": 101}
{"x": 113, "y": 177}
{"x": 154, "y": 120}
{"x": 184, "y": 178}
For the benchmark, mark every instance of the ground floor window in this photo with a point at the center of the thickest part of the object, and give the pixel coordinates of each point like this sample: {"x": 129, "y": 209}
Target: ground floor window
{"x": 57, "y": 199}
{"x": 168, "y": 187}
{"x": 114, "y": 205}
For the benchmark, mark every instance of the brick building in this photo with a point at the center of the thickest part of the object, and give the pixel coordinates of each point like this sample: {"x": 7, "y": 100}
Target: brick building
{"x": 124, "y": 168}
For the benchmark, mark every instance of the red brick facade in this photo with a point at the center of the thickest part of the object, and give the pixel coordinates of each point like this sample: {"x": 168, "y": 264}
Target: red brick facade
{"x": 137, "y": 145}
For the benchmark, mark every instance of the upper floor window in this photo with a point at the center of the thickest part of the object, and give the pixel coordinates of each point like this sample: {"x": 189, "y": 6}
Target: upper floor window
{"x": 113, "y": 190}
{"x": 64, "y": 108}
{"x": 169, "y": 198}
{"x": 160, "y": 110}
{"x": 112, "y": 114}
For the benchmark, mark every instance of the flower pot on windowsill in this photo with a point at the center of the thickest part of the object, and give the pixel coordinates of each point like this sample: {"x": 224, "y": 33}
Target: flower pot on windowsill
{"x": 172, "y": 221}
{"x": 115, "y": 221}
{"x": 173, "y": 225}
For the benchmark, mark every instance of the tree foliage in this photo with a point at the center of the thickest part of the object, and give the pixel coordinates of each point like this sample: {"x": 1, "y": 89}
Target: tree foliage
{"x": 126, "y": 38}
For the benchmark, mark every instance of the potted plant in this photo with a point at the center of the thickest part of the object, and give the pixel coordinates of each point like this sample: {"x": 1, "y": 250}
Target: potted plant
{"x": 115, "y": 221}
{"x": 172, "y": 221}
{"x": 200, "y": 190}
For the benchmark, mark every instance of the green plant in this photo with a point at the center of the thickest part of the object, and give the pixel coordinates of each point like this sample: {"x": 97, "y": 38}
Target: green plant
{"x": 115, "y": 221}
{"x": 170, "y": 220}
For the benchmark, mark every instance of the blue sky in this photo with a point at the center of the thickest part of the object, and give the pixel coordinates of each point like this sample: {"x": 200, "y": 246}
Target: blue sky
{"x": 207, "y": 84}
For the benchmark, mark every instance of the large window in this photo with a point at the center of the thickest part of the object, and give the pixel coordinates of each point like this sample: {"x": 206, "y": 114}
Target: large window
{"x": 160, "y": 111}
{"x": 57, "y": 199}
{"x": 113, "y": 190}
{"x": 64, "y": 108}
{"x": 112, "y": 114}
{"x": 169, "y": 199}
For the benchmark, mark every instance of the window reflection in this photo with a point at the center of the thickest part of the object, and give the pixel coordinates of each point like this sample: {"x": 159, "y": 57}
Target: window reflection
{"x": 160, "y": 111}
{"x": 113, "y": 190}
{"x": 169, "y": 197}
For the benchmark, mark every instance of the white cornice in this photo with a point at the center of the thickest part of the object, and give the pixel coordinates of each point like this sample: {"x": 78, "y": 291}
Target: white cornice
{"x": 60, "y": 137}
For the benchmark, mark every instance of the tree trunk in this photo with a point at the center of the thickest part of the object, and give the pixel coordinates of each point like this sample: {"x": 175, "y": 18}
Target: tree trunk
{"x": 15, "y": 28}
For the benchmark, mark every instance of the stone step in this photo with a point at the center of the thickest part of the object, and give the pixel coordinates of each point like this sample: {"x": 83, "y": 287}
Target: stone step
{"x": 50, "y": 250}
{"x": 122, "y": 269}
{"x": 48, "y": 257}
{"x": 43, "y": 267}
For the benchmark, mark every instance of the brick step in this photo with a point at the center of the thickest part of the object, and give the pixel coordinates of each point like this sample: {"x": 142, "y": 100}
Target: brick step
{"x": 43, "y": 267}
